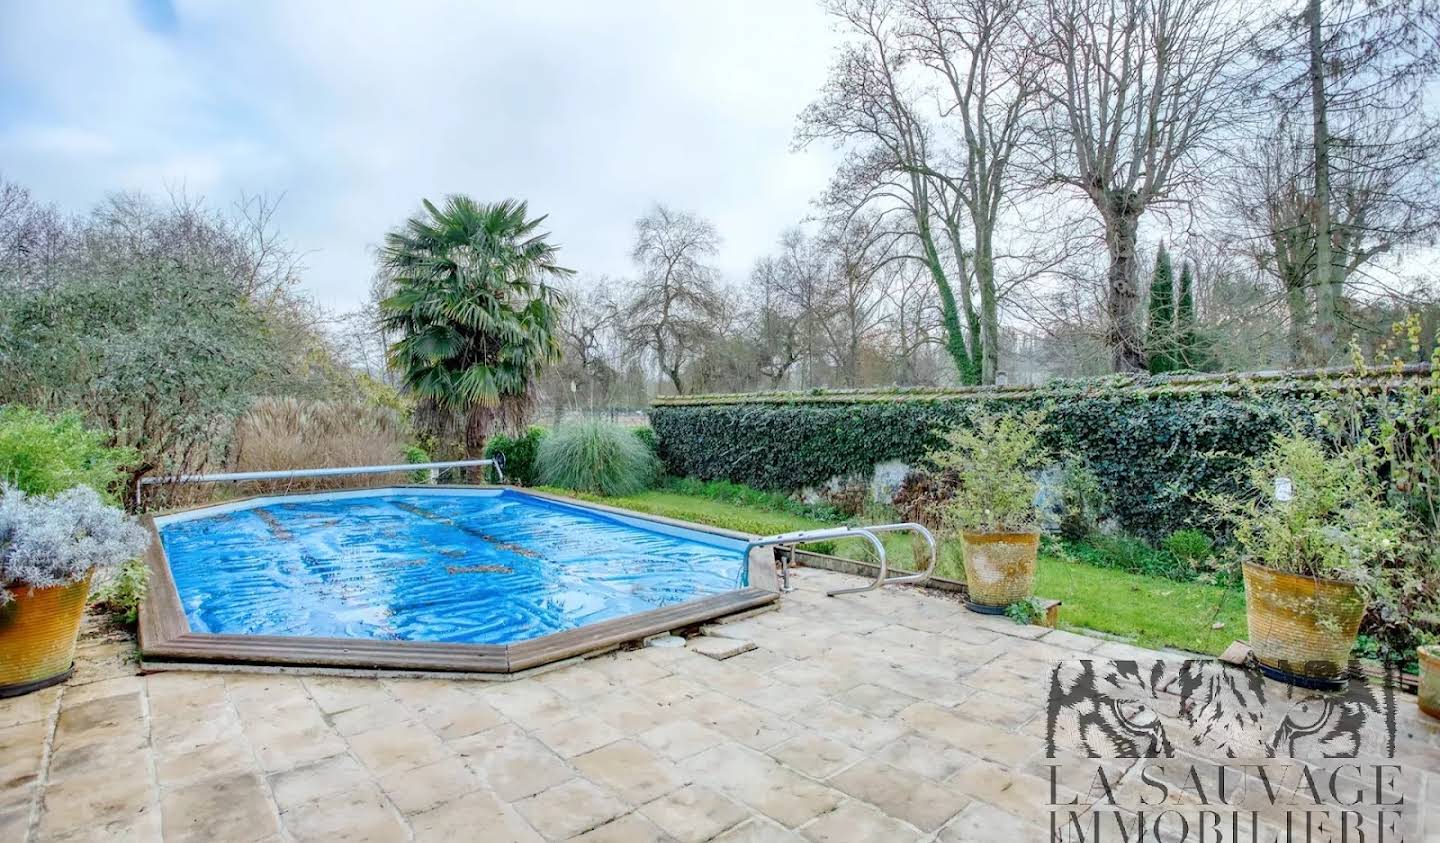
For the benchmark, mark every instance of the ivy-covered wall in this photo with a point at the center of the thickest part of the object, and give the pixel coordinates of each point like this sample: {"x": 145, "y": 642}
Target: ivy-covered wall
{"x": 1154, "y": 443}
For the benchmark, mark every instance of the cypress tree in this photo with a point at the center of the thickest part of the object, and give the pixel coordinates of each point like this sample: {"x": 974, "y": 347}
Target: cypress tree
{"x": 1189, "y": 353}
{"x": 1160, "y": 337}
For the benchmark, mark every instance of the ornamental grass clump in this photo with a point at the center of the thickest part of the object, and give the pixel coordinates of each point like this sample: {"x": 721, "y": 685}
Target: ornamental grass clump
{"x": 50, "y": 540}
{"x": 595, "y": 456}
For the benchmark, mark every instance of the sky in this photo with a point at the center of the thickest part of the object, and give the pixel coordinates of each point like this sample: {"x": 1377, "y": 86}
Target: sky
{"x": 355, "y": 111}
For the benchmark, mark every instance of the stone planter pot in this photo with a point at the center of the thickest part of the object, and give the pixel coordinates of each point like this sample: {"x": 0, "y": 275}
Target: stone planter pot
{"x": 1429, "y": 692}
{"x": 999, "y": 569}
{"x": 1302, "y": 629}
{"x": 37, "y": 636}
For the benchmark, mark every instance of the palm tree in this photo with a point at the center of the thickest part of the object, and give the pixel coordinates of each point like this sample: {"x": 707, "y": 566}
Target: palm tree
{"x": 471, "y": 303}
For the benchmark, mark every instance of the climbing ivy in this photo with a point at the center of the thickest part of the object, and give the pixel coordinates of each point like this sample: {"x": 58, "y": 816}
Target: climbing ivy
{"x": 1153, "y": 451}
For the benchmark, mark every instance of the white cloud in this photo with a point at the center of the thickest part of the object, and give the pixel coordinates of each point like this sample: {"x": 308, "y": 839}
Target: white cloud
{"x": 591, "y": 111}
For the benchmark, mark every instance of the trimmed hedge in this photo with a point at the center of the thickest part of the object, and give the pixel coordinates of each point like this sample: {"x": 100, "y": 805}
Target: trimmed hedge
{"x": 1154, "y": 443}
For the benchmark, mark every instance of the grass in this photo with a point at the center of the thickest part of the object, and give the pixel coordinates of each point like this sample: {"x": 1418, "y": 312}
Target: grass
{"x": 1147, "y": 610}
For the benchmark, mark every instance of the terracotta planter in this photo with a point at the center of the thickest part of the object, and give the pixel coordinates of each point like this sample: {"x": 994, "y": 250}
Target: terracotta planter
{"x": 1302, "y": 629}
{"x": 37, "y": 636}
{"x": 1429, "y": 694}
{"x": 999, "y": 568}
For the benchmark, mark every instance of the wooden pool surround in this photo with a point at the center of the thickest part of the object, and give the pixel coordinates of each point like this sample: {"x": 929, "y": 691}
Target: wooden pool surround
{"x": 165, "y": 634}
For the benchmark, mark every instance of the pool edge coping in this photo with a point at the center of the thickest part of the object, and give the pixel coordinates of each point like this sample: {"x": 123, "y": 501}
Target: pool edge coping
{"x": 165, "y": 635}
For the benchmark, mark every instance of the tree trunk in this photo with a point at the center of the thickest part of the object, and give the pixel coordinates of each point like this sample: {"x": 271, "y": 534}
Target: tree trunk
{"x": 674, "y": 376}
{"x": 1298, "y": 305}
{"x": 949, "y": 311}
{"x": 989, "y": 306}
{"x": 1327, "y": 292}
{"x": 1127, "y": 349}
{"x": 477, "y": 430}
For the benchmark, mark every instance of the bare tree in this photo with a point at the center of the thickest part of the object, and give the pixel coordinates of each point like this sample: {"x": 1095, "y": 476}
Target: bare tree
{"x": 869, "y": 107}
{"x": 1356, "y": 74}
{"x": 989, "y": 76}
{"x": 1138, "y": 92}
{"x": 673, "y": 301}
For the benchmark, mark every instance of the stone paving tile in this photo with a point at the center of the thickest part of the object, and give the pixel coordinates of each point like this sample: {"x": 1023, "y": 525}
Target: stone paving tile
{"x": 857, "y": 822}
{"x": 513, "y": 764}
{"x": 986, "y": 822}
{"x": 235, "y": 807}
{"x": 762, "y": 783}
{"x": 889, "y": 715}
{"x": 578, "y": 735}
{"x": 630, "y": 770}
{"x": 694, "y": 813}
{"x": 478, "y": 816}
{"x": 759, "y": 830}
{"x": 418, "y": 790}
{"x": 815, "y": 755}
{"x": 395, "y": 749}
{"x": 902, "y": 794}
{"x": 572, "y": 808}
{"x": 681, "y": 739}
{"x": 360, "y": 814}
{"x": 333, "y": 775}
{"x": 631, "y": 828}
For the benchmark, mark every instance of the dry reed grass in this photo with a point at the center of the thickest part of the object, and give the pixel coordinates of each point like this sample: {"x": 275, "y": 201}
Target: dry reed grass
{"x": 279, "y": 434}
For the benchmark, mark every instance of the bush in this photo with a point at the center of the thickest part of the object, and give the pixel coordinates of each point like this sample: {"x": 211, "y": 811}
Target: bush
{"x": 1192, "y": 546}
{"x": 1330, "y": 523}
{"x": 595, "y": 456}
{"x": 647, "y": 435}
{"x": 42, "y": 455}
{"x": 994, "y": 460}
{"x": 520, "y": 452}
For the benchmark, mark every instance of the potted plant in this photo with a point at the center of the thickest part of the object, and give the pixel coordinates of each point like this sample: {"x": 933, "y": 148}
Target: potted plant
{"x": 1312, "y": 533}
{"x": 1429, "y": 691}
{"x": 50, "y": 549}
{"x": 992, "y": 511}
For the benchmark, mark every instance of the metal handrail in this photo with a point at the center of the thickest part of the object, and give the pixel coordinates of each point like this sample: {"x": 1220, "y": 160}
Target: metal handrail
{"x": 884, "y": 578}
{"x": 804, "y": 536}
{"x": 333, "y": 471}
{"x": 789, "y": 540}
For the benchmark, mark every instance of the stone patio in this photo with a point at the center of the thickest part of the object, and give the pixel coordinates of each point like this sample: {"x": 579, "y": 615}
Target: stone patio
{"x": 893, "y": 715}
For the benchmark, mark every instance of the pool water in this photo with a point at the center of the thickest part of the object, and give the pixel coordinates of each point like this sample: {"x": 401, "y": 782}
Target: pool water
{"x": 481, "y": 567}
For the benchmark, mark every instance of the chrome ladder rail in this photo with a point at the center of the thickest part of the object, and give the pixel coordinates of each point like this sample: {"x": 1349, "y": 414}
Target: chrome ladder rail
{"x": 884, "y": 578}
{"x": 787, "y": 542}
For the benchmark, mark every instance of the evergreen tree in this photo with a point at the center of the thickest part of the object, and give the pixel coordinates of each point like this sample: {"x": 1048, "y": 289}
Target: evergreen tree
{"x": 1190, "y": 345}
{"x": 1161, "y": 335}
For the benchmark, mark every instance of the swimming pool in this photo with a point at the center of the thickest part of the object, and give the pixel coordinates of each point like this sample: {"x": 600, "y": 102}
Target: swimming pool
{"x": 462, "y": 576}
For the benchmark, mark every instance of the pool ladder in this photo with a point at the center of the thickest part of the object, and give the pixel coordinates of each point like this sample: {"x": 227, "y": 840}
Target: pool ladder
{"x": 787, "y": 541}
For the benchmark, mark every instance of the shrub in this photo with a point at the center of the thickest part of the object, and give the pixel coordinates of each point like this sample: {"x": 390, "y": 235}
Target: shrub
{"x": 1330, "y": 522}
{"x": 42, "y": 455}
{"x": 278, "y": 434}
{"x": 48, "y": 540}
{"x": 595, "y": 456}
{"x": 993, "y": 460}
{"x": 1130, "y": 554}
{"x": 647, "y": 435}
{"x": 1191, "y": 546}
{"x": 122, "y": 593}
{"x": 519, "y": 454}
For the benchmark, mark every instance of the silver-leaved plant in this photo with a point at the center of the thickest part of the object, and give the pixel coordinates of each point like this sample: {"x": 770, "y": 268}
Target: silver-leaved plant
{"x": 56, "y": 540}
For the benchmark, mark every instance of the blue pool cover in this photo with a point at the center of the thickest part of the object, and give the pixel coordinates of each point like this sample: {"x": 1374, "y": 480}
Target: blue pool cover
{"x": 488, "y": 567}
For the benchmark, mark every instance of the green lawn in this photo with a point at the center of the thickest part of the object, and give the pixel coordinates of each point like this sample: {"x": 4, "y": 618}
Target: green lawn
{"x": 1148, "y": 611}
